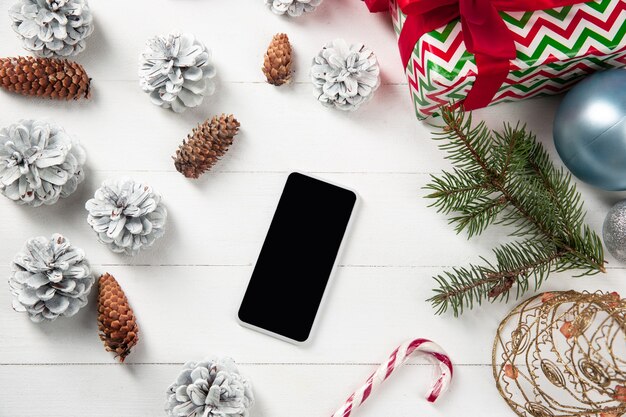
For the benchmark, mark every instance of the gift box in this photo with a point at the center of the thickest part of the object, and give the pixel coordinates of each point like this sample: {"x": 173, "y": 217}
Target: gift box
{"x": 481, "y": 52}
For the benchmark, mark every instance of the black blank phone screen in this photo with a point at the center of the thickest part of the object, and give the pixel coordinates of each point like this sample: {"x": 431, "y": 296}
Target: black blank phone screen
{"x": 297, "y": 257}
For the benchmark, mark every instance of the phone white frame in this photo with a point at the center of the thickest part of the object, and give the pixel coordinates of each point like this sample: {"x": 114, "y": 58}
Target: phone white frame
{"x": 331, "y": 276}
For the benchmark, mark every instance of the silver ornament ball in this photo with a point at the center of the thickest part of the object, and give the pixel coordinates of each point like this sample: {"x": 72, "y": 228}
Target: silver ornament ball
{"x": 614, "y": 231}
{"x": 590, "y": 130}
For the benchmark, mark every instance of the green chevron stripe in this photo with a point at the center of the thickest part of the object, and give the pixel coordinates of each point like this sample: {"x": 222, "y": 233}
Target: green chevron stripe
{"x": 442, "y": 35}
{"x": 599, "y": 6}
{"x": 527, "y": 90}
{"x": 531, "y": 61}
{"x": 426, "y": 86}
{"x": 563, "y": 66}
{"x": 559, "y": 15}
{"x": 587, "y": 33}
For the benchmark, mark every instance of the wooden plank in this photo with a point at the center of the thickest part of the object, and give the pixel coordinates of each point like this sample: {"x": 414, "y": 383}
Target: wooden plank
{"x": 238, "y": 33}
{"x": 223, "y": 218}
{"x": 280, "y": 390}
{"x": 282, "y": 130}
{"x": 186, "y": 311}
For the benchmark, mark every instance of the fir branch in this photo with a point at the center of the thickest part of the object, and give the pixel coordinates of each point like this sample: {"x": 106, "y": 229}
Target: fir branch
{"x": 516, "y": 263}
{"x": 508, "y": 178}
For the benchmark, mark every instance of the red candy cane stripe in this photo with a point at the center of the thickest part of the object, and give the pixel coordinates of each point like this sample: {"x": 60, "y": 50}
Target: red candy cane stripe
{"x": 399, "y": 357}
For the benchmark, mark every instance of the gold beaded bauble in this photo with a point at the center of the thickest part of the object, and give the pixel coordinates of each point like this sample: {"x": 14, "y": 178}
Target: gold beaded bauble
{"x": 563, "y": 354}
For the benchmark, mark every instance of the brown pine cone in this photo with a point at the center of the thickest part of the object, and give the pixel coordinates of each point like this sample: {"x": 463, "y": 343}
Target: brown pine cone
{"x": 206, "y": 144}
{"x": 277, "y": 62}
{"x": 44, "y": 77}
{"x": 116, "y": 320}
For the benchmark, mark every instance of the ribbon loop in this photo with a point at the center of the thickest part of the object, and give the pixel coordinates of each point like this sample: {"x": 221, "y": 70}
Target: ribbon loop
{"x": 377, "y": 6}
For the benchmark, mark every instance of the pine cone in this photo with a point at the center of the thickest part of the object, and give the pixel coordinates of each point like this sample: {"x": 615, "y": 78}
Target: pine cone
{"x": 44, "y": 77}
{"x": 116, "y": 321}
{"x": 206, "y": 144}
{"x": 345, "y": 76}
{"x": 50, "y": 278}
{"x": 127, "y": 215}
{"x": 211, "y": 388}
{"x": 277, "y": 62}
{"x": 177, "y": 71}
{"x": 293, "y": 8}
{"x": 50, "y": 28}
{"x": 39, "y": 163}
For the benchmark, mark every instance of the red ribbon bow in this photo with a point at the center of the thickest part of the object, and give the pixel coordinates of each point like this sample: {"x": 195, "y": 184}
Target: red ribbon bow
{"x": 484, "y": 32}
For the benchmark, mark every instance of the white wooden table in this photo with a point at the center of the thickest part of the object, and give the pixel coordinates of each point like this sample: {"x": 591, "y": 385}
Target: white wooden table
{"x": 186, "y": 290}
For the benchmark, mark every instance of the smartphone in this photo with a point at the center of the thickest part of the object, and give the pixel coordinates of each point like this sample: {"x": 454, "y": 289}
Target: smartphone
{"x": 297, "y": 258}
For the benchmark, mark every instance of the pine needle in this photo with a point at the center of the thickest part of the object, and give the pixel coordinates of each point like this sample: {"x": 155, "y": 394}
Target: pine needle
{"x": 508, "y": 178}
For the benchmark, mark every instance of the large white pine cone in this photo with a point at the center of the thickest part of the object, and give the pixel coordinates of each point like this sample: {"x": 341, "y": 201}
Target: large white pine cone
{"x": 293, "y": 8}
{"x": 50, "y": 278}
{"x": 127, "y": 215}
{"x": 345, "y": 76}
{"x": 52, "y": 28}
{"x": 177, "y": 71}
{"x": 211, "y": 388}
{"x": 39, "y": 163}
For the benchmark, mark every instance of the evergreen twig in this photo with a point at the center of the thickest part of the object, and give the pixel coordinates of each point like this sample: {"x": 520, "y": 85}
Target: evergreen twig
{"x": 507, "y": 178}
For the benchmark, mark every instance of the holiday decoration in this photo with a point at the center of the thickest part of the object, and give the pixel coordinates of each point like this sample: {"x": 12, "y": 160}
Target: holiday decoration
{"x": 177, "y": 71}
{"x": 39, "y": 163}
{"x": 44, "y": 77}
{"x": 487, "y": 52}
{"x": 590, "y": 130}
{"x": 507, "y": 177}
{"x": 211, "y": 388}
{"x": 562, "y": 354}
{"x": 293, "y": 8}
{"x": 116, "y": 320}
{"x": 345, "y": 76}
{"x": 431, "y": 351}
{"x": 127, "y": 215}
{"x": 50, "y": 278}
{"x": 206, "y": 144}
{"x": 277, "y": 61}
{"x": 50, "y": 28}
{"x": 614, "y": 231}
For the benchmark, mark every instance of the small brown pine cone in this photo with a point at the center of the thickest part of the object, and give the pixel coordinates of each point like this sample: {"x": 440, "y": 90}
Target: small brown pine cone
{"x": 277, "y": 62}
{"x": 116, "y": 320}
{"x": 44, "y": 77}
{"x": 501, "y": 287}
{"x": 206, "y": 144}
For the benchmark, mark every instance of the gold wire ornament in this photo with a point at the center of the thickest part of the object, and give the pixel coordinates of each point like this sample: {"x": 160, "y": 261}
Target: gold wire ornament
{"x": 563, "y": 354}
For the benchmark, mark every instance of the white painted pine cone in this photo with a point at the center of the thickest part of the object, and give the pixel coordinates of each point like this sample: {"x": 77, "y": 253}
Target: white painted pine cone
{"x": 50, "y": 278}
{"x": 345, "y": 76}
{"x": 52, "y": 28}
{"x": 39, "y": 163}
{"x": 211, "y": 388}
{"x": 293, "y": 8}
{"x": 127, "y": 215}
{"x": 177, "y": 71}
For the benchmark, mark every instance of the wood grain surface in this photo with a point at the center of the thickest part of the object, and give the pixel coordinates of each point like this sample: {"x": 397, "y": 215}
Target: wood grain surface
{"x": 185, "y": 291}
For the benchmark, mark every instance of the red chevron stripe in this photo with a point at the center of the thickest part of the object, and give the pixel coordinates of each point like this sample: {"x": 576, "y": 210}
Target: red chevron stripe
{"x": 446, "y": 55}
{"x": 541, "y": 22}
{"x": 426, "y": 47}
{"x": 543, "y": 73}
{"x": 576, "y": 20}
{"x": 440, "y": 97}
{"x": 458, "y": 42}
{"x": 508, "y": 93}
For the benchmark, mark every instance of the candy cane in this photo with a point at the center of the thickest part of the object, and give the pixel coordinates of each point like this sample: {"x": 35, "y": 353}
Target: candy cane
{"x": 399, "y": 357}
